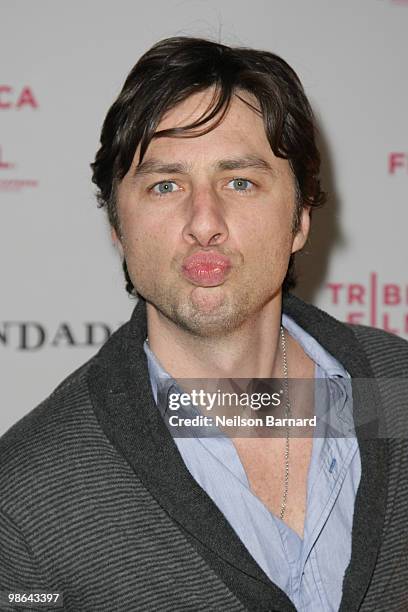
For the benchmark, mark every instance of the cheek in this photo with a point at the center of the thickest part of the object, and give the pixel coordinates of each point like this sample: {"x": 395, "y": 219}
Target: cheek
{"x": 270, "y": 238}
{"x": 145, "y": 241}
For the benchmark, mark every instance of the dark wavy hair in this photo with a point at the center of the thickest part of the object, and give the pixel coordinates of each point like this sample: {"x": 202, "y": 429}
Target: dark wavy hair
{"x": 174, "y": 69}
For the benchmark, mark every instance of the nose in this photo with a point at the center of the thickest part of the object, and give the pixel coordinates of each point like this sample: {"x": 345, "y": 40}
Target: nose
{"x": 206, "y": 224}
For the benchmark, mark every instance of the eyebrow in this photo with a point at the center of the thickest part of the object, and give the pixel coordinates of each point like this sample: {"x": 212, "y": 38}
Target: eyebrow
{"x": 156, "y": 166}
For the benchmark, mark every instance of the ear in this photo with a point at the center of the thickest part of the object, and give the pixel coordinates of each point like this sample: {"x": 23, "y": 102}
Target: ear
{"x": 116, "y": 241}
{"x": 303, "y": 231}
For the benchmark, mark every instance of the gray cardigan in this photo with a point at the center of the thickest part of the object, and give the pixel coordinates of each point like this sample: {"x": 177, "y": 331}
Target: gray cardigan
{"x": 96, "y": 502}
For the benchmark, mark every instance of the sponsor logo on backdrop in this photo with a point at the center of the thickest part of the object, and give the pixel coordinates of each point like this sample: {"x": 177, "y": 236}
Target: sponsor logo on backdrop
{"x": 398, "y": 163}
{"x": 17, "y": 98}
{"x": 10, "y": 183}
{"x": 32, "y": 336}
{"x": 373, "y": 302}
{"x": 4, "y": 164}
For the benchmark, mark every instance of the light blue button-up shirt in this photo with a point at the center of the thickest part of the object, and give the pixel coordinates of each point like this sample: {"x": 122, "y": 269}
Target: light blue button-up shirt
{"x": 309, "y": 570}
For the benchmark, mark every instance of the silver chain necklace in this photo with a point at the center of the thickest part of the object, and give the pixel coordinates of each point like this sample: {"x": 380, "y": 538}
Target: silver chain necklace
{"x": 287, "y": 415}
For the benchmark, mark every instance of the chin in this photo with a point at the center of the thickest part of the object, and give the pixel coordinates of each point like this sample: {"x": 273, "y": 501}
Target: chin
{"x": 209, "y": 318}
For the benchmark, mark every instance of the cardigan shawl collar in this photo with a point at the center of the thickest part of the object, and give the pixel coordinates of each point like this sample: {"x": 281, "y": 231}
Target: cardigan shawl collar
{"x": 124, "y": 405}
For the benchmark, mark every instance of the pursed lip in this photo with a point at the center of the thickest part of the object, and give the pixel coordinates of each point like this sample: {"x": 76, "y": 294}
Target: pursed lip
{"x": 206, "y": 268}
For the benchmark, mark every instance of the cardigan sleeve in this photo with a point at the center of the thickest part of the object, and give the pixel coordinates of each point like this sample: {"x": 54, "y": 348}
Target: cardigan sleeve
{"x": 19, "y": 570}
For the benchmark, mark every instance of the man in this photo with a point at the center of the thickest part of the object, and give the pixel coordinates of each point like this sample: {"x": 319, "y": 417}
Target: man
{"x": 209, "y": 171}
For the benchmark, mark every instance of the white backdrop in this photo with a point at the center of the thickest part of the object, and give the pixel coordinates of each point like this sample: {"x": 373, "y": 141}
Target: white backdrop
{"x": 62, "y": 65}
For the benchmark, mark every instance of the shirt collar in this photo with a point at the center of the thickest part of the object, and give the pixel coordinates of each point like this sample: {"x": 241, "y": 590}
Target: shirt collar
{"x": 161, "y": 381}
{"x": 327, "y": 363}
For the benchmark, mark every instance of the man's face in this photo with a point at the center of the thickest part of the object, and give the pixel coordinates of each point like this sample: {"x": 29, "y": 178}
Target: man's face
{"x": 206, "y": 226}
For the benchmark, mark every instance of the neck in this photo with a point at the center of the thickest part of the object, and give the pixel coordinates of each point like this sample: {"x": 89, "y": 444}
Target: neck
{"x": 252, "y": 351}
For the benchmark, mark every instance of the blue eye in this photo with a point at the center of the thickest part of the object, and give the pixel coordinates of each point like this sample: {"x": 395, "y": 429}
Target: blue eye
{"x": 241, "y": 184}
{"x": 164, "y": 187}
